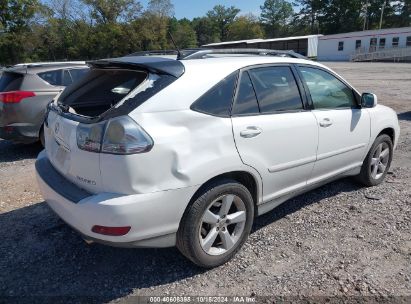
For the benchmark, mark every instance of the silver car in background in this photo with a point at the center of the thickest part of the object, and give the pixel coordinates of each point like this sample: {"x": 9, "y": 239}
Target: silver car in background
{"x": 25, "y": 91}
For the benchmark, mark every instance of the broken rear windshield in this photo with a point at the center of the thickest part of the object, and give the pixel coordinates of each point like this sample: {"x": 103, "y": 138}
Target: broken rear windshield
{"x": 101, "y": 89}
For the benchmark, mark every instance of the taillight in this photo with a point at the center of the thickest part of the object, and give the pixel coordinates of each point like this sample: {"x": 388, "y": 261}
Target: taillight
{"x": 15, "y": 96}
{"x": 120, "y": 135}
{"x": 89, "y": 136}
{"x": 113, "y": 231}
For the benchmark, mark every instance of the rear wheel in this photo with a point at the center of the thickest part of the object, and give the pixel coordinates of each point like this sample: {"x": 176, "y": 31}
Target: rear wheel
{"x": 217, "y": 224}
{"x": 377, "y": 162}
{"x": 41, "y": 137}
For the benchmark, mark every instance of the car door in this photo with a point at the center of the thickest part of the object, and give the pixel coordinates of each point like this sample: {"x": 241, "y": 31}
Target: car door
{"x": 344, "y": 128}
{"x": 273, "y": 131}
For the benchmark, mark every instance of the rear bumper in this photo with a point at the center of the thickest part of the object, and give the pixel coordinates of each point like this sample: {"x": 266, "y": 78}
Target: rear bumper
{"x": 154, "y": 217}
{"x": 20, "y": 133}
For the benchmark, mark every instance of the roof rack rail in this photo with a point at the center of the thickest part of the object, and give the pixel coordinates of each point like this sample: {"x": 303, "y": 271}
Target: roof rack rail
{"x": 204, "y": 53}
{"x": 153, "y": 53}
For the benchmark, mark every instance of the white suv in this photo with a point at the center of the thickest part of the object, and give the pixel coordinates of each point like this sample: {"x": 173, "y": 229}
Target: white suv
{"x": 156, "y": 152}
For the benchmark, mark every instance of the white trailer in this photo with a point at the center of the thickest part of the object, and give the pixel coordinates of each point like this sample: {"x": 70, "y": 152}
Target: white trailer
{"x": 304, "y": 45}
{"x": 340, "y": 47}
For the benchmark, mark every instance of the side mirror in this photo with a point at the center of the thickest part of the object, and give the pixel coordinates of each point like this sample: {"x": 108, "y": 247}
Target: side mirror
{"x": 369, "y": 100}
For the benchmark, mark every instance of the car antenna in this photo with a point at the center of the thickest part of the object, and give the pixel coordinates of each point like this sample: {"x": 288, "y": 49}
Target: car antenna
{"x": 179, "y": 54}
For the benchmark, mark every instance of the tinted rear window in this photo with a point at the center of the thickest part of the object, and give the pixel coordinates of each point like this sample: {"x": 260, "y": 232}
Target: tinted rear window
{"x": 63, "y": 77}
{"x": 10, "y": 81}
{"x": 77, "y": 74}
{"x": 52, "y": 77}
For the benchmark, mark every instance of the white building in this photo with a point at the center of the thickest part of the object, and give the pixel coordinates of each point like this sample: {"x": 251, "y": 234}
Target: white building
{"x": 341, "y": 47}
{"x": 304, "y": 45}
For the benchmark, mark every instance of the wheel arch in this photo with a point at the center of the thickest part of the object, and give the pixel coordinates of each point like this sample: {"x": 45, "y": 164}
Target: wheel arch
{"x": 247, "y": 179}
{"x": 390, "y": 132}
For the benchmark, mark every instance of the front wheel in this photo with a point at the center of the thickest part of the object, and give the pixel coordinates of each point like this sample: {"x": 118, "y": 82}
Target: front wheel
{"x": 216, "y": 225}
{"x": 377, "y": 162}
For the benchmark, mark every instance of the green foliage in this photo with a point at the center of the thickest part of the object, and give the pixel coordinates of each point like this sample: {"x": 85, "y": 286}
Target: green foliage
{"x": 275, "y": 15}
{"x": 222, "y": 17}
{"x": 340, "y": 16}
{"x": 183, "y": 33}
{"x": 306, "y": 21}
{"x": 245, "y": 27}
{"x": 161, "y": 8}
{"x": 109, "y": 11}
{"x": 206, "y": 31}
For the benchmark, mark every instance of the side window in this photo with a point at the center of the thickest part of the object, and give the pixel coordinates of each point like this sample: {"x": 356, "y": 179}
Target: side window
{"x": 52, "y": 77}
{"x": 408, "y": 43}
{"x": 382, "y": 43}
{"x": 395, "y": 41}
{"x": 217, "y": 101}
{"x": 327, "y": 92}
{"x": 276, "y": 89}
{"x": 341, "y": 46}
{"x": 373, "y": 44}
{"x": 357, "y": 44}
{"x": 246, "y": 101}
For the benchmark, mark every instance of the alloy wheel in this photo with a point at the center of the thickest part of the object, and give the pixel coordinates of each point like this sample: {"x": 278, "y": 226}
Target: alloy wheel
{"x": 380, "y": 160}
{"x": 222, "y": 224}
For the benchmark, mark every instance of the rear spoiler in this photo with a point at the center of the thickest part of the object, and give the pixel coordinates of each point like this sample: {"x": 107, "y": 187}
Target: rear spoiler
{"x": 153, "y": 64}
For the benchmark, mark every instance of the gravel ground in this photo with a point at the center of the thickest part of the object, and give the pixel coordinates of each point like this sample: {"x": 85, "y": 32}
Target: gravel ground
{"x": 339, "y": 241}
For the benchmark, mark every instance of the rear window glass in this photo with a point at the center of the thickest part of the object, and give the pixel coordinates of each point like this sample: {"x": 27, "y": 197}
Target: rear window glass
{"x": 101, "y": 89}
{"x": 217, "y": 101}
{"x": 77, "y": 74}
{"x": 10, "y": 81}
{"x": 54, "y": 77}
{"x": 63, "y": 77}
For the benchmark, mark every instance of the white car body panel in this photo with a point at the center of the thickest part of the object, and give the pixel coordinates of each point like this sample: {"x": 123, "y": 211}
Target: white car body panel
{"x": 281, "y": 172}
{"x": 343, "y": 141}
{"x": 150, "y": 191}
{"x": 78, "y": 166}
{"x": 383, "y": 117}
{"x": 181, "y": 156}
{"x": 147, "y": 214}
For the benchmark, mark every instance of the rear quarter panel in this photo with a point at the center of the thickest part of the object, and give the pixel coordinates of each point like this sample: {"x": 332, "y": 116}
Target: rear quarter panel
{"x": 189, "y": 149}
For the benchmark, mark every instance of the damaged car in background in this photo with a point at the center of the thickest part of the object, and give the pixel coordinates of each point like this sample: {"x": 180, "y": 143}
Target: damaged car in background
{"x": 155, "y": 152}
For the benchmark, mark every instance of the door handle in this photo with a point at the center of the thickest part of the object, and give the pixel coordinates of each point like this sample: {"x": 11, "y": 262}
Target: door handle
{"x": 250, "y": 132}
{"x": 326, "y": 122}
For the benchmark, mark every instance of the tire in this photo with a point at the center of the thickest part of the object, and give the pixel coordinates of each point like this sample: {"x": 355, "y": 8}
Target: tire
{"x": 206, "y": 217}
{"x": 41, "y": 137}
{"x": 369, "y": 175}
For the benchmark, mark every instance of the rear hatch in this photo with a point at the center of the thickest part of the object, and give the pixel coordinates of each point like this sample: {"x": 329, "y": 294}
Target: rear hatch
{"x": 9, "y": 81}
{"x": 78, "y": 118}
